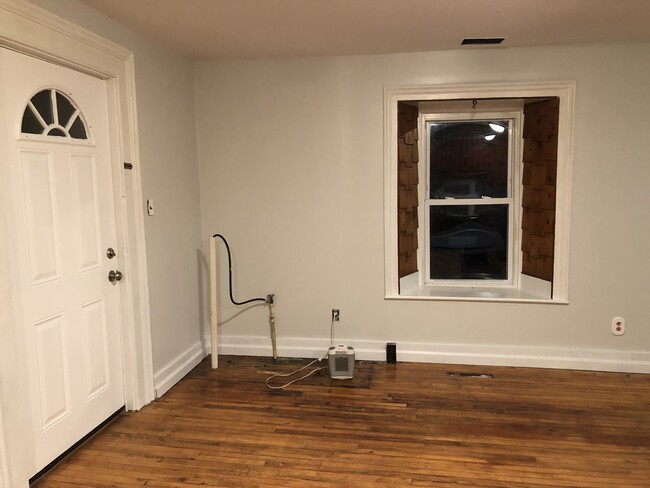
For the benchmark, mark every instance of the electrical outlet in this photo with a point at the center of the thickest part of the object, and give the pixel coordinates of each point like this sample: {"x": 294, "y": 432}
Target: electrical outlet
{"x": 150, "y": 207}
{"x": 336, "y": 315}
{"x": 618, "y": 326}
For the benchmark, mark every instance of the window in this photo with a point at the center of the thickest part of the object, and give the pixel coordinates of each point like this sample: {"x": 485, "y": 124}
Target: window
{"x": 477, "y": 192}
{"x": 469, "y": 202}
{"x": 51, "y": 113}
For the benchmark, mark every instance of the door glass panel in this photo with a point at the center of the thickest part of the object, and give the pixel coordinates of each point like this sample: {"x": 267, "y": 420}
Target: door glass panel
{"x": 64, "y": 108}
{"x": 42, "y": 102}
{"x": 41, "y": 105}
{"x": 30, "y": 124}
{"x": 78, "y": 130}
{"x": 56, "y": 132}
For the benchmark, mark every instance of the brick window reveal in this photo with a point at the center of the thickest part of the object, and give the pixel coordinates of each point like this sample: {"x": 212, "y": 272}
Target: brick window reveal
{"x": 539, "y": 186}
{"x": 407, "y": 190}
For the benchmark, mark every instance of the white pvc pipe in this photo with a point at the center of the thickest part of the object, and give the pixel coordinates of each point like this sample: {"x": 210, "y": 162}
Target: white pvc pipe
{"x": 272, "y": 323}
{"x": 213, "y": 303}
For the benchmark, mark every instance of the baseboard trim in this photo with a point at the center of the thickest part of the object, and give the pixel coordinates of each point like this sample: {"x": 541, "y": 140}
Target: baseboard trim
{"x": 470, "y": 354}
{"x": 175, "y": 370}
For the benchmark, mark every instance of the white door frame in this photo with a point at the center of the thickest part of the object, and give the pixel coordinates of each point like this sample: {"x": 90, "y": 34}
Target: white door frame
{"x": 29, "y": 29}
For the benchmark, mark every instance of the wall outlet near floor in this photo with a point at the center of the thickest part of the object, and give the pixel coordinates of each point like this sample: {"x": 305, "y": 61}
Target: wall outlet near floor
{"x": 336, "y": 315}
{"x": 618, "y": 326}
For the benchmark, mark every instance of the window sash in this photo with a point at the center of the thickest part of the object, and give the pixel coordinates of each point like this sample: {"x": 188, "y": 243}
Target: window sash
{"x": 510, "y": 262}
{"x": 513, "y": 191}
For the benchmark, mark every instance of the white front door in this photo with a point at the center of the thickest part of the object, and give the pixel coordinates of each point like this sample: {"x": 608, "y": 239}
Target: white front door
{"x": 54, "y": 146}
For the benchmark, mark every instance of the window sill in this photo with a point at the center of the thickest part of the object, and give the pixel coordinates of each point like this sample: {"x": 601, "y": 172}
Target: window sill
{"x": 472, "y": 293}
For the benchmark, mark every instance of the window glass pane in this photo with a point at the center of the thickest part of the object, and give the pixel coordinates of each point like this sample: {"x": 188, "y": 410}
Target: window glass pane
{"x": 469, "y": 159}
{"x": 43, "y": 107}
{"x": 78, "y": 130}
{"x": 30, "y": 124}
{"x": 64, "y": 109}
{"x": 468, "y": 242}
{"x": 56, "y": 132}
{"x": 42, "y": 101}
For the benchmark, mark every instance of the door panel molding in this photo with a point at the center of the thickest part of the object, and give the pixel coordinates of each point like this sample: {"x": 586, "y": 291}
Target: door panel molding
{"x": 53, "y": 371}
{"x": 29, "y": 29}
{"x": 95, "y": 352}
{"x": 86, "y": 211}
{"x": 41, "y": 217}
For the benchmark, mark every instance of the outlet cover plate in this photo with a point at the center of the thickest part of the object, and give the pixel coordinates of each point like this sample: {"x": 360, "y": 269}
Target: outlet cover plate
{"x": 618, "y": 326}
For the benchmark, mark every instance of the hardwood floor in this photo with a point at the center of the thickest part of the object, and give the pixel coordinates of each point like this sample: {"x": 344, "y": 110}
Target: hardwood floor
{"x": 405, "y": 424}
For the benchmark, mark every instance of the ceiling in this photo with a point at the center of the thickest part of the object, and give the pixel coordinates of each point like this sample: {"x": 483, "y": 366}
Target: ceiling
{"x": 234, "y": 29}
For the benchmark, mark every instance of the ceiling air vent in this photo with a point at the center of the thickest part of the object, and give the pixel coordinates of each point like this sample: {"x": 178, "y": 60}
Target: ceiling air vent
{"x": 482, "y": 41}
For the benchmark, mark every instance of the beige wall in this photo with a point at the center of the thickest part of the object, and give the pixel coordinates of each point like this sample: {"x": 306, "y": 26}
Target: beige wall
{"x": 291, "y": 171}
{"x": 166, "y": 124}
{"x": 291, "y": 166}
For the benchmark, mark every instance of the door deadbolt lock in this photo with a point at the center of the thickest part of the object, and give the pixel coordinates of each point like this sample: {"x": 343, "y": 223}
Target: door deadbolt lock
{"x": 110, "y": 252}
{"x": 114, "y": 275}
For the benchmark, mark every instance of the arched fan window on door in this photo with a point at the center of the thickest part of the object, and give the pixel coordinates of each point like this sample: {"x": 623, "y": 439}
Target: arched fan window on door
{"x": 51, "y": 113}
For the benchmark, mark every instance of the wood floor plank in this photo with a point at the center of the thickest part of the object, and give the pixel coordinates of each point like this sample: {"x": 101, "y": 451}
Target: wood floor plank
{"x": 398, "y": 425}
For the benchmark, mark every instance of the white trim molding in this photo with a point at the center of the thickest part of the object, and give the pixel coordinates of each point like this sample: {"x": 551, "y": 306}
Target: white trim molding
{"x": 618, "y": 361}
{"x": 564, "y": 90}
{"x": 4, "y": 467}
{"x": 29, "y": 29}
{"x": 175, "y": 370}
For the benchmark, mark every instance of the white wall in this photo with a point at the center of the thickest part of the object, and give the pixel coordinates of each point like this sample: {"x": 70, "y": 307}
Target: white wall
{"x": 166, "y": 124}
{"x": 291, "y": 171}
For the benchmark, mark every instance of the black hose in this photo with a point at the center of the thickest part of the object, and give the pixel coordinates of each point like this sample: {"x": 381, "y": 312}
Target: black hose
{"x": 232, "y": 299}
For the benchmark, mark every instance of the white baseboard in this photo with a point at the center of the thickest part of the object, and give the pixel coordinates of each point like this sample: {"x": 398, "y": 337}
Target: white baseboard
{"x": 175, "y": 370}
{"x": 470, "y": 354}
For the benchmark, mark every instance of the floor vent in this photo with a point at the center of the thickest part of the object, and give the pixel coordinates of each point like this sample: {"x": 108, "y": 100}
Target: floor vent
{"x": 471, "y": 375}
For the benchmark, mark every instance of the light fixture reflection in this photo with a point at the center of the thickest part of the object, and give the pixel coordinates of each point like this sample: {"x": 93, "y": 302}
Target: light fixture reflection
{"x": 496, "y": 127}
{"x": 490, "y": 137}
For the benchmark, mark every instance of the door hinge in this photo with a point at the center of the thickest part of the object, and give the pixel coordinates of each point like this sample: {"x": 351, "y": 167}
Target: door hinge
{"x": 128, "y": 166}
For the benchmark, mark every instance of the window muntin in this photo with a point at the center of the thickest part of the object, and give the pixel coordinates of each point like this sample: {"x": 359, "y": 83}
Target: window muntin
{"x": 51, "y": 113}
{"x": 470, "y": 209}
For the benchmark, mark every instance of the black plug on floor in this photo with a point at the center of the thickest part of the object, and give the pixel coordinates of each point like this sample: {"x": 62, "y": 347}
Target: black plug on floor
{"x": 391, "y": 353}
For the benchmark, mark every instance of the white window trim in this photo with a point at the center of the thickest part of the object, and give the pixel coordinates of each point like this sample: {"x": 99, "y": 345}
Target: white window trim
{"x": 513, "y": 199}
{"x": 565, "y": 91}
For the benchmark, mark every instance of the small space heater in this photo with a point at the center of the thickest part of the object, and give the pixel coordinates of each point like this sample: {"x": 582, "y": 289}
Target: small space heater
{"x": 341, "y": 362}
